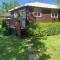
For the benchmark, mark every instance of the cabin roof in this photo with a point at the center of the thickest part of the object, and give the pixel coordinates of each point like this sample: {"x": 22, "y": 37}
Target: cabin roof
{"x": 38, "y": 4}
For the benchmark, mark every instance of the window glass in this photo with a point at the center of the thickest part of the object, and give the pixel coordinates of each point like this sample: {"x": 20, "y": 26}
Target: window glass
{"x": 54, "y": 14}
{"x": 37, "y": 12}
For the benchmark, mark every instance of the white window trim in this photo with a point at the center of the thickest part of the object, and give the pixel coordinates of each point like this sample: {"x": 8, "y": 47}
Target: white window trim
{"x": 37, "y": 14}
{"x": 15, "y": 15}
{"x": 54, "y": 15}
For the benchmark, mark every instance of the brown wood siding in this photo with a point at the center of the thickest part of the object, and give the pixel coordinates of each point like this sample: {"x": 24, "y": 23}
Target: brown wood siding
{"x": 46, "y": 17}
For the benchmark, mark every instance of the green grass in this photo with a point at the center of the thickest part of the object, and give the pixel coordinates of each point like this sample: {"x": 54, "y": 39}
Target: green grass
{"x": 13, "y": 48}
{"x": 53, "y": 47}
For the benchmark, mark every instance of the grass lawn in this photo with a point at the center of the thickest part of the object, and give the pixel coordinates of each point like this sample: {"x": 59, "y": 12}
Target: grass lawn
{"x": 13, "y": 48}
{"x": 53, "y": 44}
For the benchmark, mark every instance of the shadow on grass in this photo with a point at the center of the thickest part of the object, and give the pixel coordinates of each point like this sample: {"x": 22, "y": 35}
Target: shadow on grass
{"x": 13, "y": 48}
{"x": 42, "y": 49}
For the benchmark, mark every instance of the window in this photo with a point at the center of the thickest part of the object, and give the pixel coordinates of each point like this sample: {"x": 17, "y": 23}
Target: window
{"x": 15, "y": 15}
{"x": 54, "y": 14}
{"x": 37, "y": 13}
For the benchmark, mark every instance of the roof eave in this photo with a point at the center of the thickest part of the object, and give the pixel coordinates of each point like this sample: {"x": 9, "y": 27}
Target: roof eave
{"x": 51, "y": 7}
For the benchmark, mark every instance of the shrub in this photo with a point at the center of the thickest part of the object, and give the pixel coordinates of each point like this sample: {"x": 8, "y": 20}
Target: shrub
{"x": 48, "y": 28}
{"x": 53, "y": 28}
{"x": 37, "y": 34}
{"x": 5, "y": 30}
{"x": 35, "y": 29}
{"x": 0, "y": 30}
{"x": 4, "y": 24}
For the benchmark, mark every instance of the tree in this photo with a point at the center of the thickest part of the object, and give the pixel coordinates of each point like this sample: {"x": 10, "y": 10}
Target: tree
{"x": 58, "y": 2}
{"x": 5, "y": 6}
{"x": 35, "y": 43}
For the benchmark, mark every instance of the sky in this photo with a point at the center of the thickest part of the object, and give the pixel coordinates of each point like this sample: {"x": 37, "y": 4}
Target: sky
{"x": 28, "y": 1}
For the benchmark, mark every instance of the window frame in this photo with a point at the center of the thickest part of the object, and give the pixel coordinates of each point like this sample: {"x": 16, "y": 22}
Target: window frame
{"x": 37, "y": 11}
{"x": 55, "y": 13}
{"x": 15, "y": 15}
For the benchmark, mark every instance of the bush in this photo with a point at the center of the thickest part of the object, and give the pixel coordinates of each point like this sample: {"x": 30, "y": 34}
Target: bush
{"x": 37, "y": 34}
{"x": 53, "y": 28}
{"x": 5, "y": 30}
{"x": 48, "y": 28}
{"x": 4, "y": 24}
{"x": 36, "y": 29}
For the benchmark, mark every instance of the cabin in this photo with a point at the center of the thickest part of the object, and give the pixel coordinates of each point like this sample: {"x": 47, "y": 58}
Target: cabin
{"x": 30, "y": 13}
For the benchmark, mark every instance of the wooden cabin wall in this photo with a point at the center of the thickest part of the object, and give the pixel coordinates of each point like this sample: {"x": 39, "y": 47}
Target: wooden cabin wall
{"x": 46, "y": 16}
